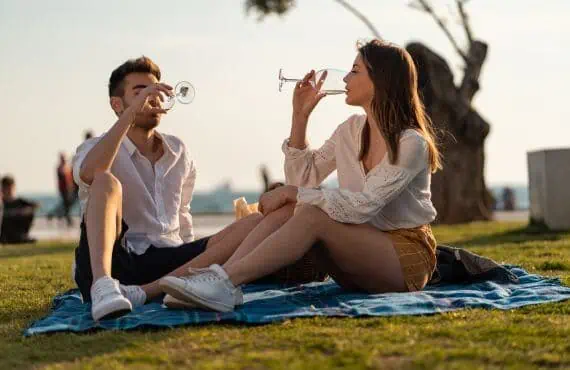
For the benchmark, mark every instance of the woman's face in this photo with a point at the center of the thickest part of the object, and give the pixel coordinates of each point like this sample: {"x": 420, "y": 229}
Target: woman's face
{"x": 359, "y": 86}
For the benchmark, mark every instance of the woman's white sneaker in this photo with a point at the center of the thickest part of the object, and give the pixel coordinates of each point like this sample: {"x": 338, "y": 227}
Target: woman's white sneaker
{"x": 171, "y": 302}
{"x": 107, "y": 300}
{"x": 211, "y": 289}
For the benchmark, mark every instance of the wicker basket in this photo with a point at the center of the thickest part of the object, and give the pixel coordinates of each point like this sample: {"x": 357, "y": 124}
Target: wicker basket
{"x": 304, "y": 270}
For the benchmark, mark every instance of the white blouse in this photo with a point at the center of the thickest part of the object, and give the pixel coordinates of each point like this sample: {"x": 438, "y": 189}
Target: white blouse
{"x": 389, "y": 196}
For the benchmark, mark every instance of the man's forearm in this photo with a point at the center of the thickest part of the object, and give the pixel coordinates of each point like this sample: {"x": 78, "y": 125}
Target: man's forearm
{"x": 100, "y": 158}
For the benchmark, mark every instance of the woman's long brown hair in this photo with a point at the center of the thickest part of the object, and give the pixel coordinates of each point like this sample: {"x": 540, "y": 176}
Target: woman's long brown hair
{"x": 397, "y": 105}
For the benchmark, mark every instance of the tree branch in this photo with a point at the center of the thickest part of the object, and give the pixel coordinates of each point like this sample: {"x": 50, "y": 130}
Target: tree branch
{"x": 426, "y": 7}
{"x": 465, "y": 20}
{"x": 360, "y": 16}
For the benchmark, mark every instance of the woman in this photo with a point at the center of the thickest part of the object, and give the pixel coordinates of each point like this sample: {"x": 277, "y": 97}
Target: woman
{"x": 374, "y": 230}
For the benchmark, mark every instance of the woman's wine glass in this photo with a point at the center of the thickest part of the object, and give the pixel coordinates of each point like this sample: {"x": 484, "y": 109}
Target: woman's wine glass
{"x": 333, "y": 83}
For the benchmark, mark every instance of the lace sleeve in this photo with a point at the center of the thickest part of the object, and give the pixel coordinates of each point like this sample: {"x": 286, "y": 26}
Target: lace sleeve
{"x": 382, "y": 185}
{"x": 308, "y": 167}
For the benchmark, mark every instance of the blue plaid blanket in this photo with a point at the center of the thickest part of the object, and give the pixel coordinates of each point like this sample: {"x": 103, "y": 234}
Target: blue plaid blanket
{"x": 271, "y": 303}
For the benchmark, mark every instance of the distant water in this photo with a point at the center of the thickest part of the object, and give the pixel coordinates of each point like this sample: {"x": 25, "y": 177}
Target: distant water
{"x": 521, "y": 197}
{"x": 221, "y": 200}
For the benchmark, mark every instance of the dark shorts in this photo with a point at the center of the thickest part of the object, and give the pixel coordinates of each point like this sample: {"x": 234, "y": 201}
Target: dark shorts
{"x": 130, "y": 268}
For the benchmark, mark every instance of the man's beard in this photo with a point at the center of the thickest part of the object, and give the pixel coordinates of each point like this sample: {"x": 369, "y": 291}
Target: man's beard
{"x": 145, "y": 121}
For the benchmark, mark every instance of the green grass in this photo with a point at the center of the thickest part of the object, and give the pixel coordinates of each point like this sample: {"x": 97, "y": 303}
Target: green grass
{"x": 531, "y": 337}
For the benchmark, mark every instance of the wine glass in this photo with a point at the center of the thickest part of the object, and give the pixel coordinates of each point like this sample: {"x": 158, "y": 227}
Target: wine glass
{"x": 184, "y": 93}
{"x": 333, "y": 80}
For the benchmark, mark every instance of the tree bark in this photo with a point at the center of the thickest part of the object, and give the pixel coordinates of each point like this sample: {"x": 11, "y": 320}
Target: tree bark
{"x": 459, "y": 191}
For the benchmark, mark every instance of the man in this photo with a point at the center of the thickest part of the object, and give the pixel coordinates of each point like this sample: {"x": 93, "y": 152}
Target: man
{"x": 135, "y": 188}
{"x": 18, "y": 215}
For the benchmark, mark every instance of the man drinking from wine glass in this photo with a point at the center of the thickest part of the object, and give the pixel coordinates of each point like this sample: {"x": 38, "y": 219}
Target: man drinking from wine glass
{"x": 135, "y": 188}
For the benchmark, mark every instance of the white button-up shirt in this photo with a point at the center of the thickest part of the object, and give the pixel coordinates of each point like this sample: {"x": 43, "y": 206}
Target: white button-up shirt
{"x": 156, "y": 199}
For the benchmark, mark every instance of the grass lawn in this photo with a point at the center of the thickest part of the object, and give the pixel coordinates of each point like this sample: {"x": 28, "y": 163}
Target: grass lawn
{"x": 535, "y": 336}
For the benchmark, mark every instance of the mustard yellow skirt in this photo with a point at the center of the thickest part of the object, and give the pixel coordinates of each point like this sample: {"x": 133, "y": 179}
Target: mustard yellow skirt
{"x": 416, "y": 252}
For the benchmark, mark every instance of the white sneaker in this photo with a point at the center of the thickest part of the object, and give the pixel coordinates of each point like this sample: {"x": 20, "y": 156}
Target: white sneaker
{"x": 171, "y": 302}
{"x": 107, "y": 300}
{"x": 238, "y": 292}
{"x": 134, "y": 294}
{"x": 175, "y": 303}
{"x": 210, "y": 289}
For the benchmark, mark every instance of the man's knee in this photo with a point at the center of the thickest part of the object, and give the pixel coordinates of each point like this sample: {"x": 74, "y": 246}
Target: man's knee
{"x": 107, "y": 183}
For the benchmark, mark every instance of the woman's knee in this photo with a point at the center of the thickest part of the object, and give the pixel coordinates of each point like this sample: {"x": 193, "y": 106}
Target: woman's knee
{"x": 107, "y": 183}
{"x": 284, "y": 213}
{"x": 253, "y": 218}
{"x": 312, "y": 216}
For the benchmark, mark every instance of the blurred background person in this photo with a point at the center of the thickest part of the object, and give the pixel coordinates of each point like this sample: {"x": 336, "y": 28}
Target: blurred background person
{"x": 18, "y": 214}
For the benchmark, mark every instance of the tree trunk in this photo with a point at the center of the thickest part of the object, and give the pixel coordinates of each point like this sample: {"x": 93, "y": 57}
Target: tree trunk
{"x": 458, "y": 191}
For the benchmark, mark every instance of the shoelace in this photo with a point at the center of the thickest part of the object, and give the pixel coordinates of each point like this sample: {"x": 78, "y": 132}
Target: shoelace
{"x": 205, "y": 276}
{"x": 209, "y": 276}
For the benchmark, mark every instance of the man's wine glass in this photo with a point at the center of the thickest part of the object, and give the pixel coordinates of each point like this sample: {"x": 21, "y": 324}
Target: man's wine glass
{"x": 184, "y": 93}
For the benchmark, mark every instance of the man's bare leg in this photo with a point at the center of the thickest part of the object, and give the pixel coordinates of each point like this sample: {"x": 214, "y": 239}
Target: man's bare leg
{"x": 103, "y": 224}
{"x": 103, "y": 216}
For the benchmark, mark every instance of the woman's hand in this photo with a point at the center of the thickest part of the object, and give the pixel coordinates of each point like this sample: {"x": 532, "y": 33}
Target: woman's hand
{"x": 275, "y": 199}
{"x": 307, "y": 95}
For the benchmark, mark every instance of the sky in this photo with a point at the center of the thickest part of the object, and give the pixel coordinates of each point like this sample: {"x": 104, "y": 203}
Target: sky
{"x": 57, "y": 56}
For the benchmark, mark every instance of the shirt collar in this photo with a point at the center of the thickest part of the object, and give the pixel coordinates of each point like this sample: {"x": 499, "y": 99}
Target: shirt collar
{"x": 132, "y": 149}
{"x": 165, "y": 143}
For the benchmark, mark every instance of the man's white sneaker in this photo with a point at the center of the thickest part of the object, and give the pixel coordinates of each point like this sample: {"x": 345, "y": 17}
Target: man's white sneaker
{"x": 134, "y": 294}
{"x": 107, "y": 300}
{"x": 210, "y": 289}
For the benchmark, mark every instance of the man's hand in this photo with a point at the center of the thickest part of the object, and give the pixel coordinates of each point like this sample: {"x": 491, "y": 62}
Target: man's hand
{"x": 148, "y": 99}
{"x": 275, "y": 199}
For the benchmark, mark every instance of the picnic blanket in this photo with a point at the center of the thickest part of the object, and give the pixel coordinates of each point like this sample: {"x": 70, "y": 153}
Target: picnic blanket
{"x": 272, "y": 303}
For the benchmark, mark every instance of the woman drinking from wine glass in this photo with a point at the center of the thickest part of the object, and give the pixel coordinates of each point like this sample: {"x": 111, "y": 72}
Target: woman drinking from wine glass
{"x": 374, "y": 229}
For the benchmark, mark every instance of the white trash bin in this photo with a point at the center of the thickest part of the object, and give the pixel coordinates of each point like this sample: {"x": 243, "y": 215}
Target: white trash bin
{"x": 549, "y": 187}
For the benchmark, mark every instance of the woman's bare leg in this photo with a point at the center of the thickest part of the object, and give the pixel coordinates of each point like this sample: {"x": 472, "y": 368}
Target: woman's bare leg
{"x": 220, "y": 247}
{"x": 363, "y": 252}
{"x": 270, "y": 223}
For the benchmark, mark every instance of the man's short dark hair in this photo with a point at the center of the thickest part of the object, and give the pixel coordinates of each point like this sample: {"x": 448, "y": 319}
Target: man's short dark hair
{"x": 7, "y": 181}
{"x": 139, "y": 65}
